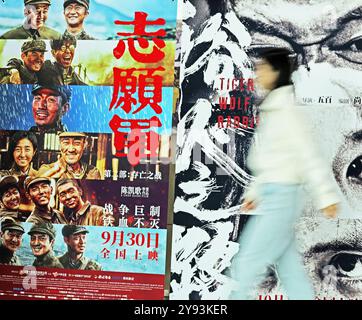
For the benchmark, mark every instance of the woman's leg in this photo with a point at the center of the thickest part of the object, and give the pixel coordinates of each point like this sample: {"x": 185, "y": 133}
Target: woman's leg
{"x": 293, "y": 275}
{"x": 264, "y": 239}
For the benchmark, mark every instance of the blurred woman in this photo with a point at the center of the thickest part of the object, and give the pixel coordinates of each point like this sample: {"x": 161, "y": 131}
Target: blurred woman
{"x": 283, "y": 160}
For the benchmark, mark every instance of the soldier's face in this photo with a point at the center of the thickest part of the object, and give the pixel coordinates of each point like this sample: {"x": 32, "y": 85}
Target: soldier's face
{"x": 12, "y": 239}
{"x": 75, "y": 14}
{"x": 40, "y": 244}
{"x": 46, "y": 107}
{"x": 76, "y": 242}
{"x": 11, "y": 199}
{"x": 69, "y": 195}
{"x": 65, "y": 54}
{"x": 72, "y": 149}
{"x": 326, "y": 38}
{"x": 23, "y": 153}
{"x": 40, "y": 193}
{"x": 33, "y": 60}
{"x": 41, "y": 14}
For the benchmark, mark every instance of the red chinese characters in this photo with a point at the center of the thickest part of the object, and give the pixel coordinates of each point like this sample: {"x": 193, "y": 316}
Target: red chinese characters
{"x": 135, "y": 89}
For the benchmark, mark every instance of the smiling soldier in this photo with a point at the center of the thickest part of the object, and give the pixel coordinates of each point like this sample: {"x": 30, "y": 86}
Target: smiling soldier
{"x": 42, "y": 237}
{"x": 11, "y": 238}
{"x": 40, "y": 191}
{"x": 69, "y": 165}
{"x": 10, "y": 198}
{"x": 36, "y": 14}
{"x": 61, "y": 71}
{"x": 25, "y": 70}
{"x": 75, "y": 12}
{"x": 50, "y": 103}
{"x": 75, "y": 238}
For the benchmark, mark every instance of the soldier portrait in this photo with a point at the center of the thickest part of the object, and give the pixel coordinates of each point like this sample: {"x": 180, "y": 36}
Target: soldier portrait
{"x": 11, "y": 236}
{"x": 36, "y": 14}
{"x": 42, "y": 238}
{"x": 24, "y": 70}
{"x": 49, "y": 105}
{"x": 75, "y": 13}
{"x": 76, "y": 210}
{"x": 75, "y": 237}
{"x": 61, "y": 71}
{"x": 70, "y": 165}
{"x": 40, "y": 192}
{"x": 10, "y": 198}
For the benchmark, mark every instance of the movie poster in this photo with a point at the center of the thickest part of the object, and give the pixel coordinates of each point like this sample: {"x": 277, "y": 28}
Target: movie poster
{"x": 86, "y": 91}
{"x": 217, "y": 114}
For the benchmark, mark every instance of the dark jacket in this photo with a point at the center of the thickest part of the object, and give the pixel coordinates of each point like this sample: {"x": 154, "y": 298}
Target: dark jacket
{"x": 8, "y": 257}
{"x": 47, "y": 260}
{"x": 53, "y": 73}
{"x": 82, "y": 264}
{"x": 22, "y": 33}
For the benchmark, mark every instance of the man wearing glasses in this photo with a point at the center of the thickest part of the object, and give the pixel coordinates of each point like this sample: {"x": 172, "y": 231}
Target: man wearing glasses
{"x": 61, "y": 71}
{"x": 75, "y": 12}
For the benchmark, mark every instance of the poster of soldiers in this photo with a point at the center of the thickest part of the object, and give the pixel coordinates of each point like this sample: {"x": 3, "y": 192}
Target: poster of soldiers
{"x": 217, "y": 115}
{"x": 85, "y": 147}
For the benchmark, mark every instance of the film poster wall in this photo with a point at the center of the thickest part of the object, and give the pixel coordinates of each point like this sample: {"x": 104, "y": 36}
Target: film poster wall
{"x": 86, "y": 94}
{"x": 217, "y": 114}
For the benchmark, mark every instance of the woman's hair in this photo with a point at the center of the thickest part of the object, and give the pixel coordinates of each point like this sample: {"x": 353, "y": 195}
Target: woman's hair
{"x": 280, "y": 60}
{"x": 19, "y": 136}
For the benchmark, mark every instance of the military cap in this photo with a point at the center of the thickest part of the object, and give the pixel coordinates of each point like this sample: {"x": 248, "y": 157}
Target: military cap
{"x": 72, "y": 135}
{"x": 84, "y": 3}
{"x": 11, "y": 224}
{"x": 64, "y": 91}
{"x": 70, "y": 229}
{"x": 8, "y": 182}
{"x": 33, "y": 45}
{"x": 29, "y": 181}
{"x": 26, "y": 2}
{"x": 56, "y": 44}
{"x": 44, "y": 228}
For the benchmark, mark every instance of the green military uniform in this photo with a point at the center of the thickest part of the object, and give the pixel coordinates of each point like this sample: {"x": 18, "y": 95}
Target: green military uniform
{"x": 14, "y": 214}
{"x": 36, "y": 216}
{"x": 55, "y": 128}
{"x": 8, "y": 182}
{"x": 7, "y": 256}
{"x": 88, "y": 215}
{"x": 56, "y": 217}
{"x": 54, "y": 73}
{"x": 27, "y": 76}
{"x": 15, "y": 171}
{"x": 65, "y": 92}
{"x": 82, "y": 263}
{"x": 79, "y": 36}
{"x": 22, "y": 33}
{"x": 48, "y": 259}
{"x": 87, "y": 171}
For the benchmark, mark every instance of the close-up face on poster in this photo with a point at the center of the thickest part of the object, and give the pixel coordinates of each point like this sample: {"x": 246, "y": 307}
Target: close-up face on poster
{"x": 218, "y": 114}
{"x": 147, "y": 150}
